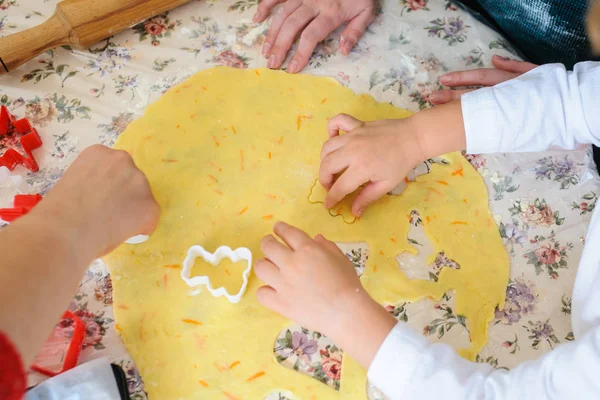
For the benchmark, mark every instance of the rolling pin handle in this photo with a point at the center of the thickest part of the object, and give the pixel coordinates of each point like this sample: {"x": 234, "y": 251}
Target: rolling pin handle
{"x": 20, "y": 47}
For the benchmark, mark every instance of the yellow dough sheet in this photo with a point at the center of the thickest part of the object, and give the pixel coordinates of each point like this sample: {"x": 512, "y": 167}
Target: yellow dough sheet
{"x": 228, "y": 153}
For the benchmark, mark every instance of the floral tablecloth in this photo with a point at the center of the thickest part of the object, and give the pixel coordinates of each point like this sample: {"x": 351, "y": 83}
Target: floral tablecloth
{"x": 542, "y": 202}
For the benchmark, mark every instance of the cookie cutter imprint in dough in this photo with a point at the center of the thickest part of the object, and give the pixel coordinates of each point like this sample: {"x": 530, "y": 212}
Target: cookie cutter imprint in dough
{"x": 214, "y": 259}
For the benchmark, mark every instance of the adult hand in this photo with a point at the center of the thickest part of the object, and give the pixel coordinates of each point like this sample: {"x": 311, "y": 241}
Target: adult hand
{"x": 378, "y": 154}
{"x": 313, "y": 21}
{"x": 505, "y": 69}
{"x": 101, "y": 200}
{"x": 311, "y": 282}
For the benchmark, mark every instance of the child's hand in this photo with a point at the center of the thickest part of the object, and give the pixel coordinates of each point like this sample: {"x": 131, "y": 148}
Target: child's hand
{"x": 101, "y": 200}
{"x": 505, "y": 70}
{"x": 378, "y": 154}
{"x": 311, "y": 282}
{"x": 312, "y": 21}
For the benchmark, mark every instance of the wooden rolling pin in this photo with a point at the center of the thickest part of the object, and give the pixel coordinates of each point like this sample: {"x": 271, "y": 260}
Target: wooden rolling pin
{"x": 78, "y": 23}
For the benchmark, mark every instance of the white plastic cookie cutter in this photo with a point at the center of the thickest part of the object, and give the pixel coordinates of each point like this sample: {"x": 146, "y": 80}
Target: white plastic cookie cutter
{"x": 215, "y": 258}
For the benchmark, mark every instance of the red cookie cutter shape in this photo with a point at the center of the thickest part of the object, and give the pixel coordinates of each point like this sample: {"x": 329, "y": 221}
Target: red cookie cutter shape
{"x": 22, "y": 204}
{"x": 75, "y": 345}
{"x": 30, "y": 140}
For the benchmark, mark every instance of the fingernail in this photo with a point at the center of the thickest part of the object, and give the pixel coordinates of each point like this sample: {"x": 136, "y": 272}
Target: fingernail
{"x": 359, "y": 213}
{"x": 266, "y": 48}
{"x": 342, "y": 41}
{"x": 445, "y": 79}
{"x": 255, "y": 17}
{"x": 272, "y": 61}
{"x": 293, "y": 67}
{"x": 501, "y": 57}
{"x": 433, "y": 97}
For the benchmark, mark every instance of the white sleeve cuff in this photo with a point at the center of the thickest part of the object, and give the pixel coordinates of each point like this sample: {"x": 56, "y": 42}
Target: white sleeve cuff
{"x": 394, "y": 363}
{"x": 482, "y": 132}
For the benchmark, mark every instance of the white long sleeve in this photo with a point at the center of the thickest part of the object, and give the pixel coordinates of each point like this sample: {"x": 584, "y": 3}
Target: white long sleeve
{"x": 408, "y": 366}
{"x": 545, "y": 107}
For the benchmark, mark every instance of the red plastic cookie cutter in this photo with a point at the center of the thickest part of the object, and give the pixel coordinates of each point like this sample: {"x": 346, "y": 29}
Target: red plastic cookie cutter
{"x": 22, "y": 204}
{"x": 30, "y": 140}
{"x": 71, "y": 357}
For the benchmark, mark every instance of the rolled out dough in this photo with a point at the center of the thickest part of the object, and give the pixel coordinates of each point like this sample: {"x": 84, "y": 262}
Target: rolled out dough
{"x": 228, "y": 153}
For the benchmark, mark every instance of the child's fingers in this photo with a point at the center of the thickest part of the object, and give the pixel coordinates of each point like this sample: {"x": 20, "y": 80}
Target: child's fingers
{"x": 327, "y": 243}
{"x": 331, "y": 166}
{"x": 334, "y": 144}
{"x": 510, "y": 65}
{"x": 264, "y": 9}
{"x": 268, "y": 297}
{"x": 315, "y": 32}
{"x": 369, "y": 195}
{"x": 275, "y": 251}
{"x": 268, "y": 273}
{"x": 347, "y": 183}
{"x": 355, "y": 29}
{"x": 477, "y": 77}
{"x": 292, "y": 236}
{"x": 343, "y": 122}
{"x": 446, "y": 96}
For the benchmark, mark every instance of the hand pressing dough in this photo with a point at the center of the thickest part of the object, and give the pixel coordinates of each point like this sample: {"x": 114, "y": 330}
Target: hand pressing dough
{"x": 228, "y": 153}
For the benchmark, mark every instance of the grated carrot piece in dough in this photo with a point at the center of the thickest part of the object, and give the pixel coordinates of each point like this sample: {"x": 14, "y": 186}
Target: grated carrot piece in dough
{"x": 192, "y": 322}
{"x": 213, "y": 178}
{"x": 230, "y": 396}
{"x": 233, "y": 129}
{"x": 460, "y": 223}
{"x": 442, "y": 183}
{"x": 216, "y": 166}
{"x": 234, "y": 364}
{"x": 216, "y": 141}
{"x": 267, "y": 217}
{"x": 243, "y": 211}
{"x": 324, "y": 100}
{"x": 218, "y": 192}
{"x": 271, "y": 196}
{"x": 458, "y": 172}
{"x": 202, "y": 382}
{"x": 172, "y": 266}
{"x": 435, "y": 191}
{"x": 256, "y": 376}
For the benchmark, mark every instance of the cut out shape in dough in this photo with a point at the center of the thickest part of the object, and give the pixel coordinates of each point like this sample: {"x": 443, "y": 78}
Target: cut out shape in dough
{"x": 243, "y": 162}
{"x": 343, "y": 209}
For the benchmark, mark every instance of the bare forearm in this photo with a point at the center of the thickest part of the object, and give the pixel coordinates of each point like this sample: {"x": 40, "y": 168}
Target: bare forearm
{"x": 40, "y": 270}
{"x": 441, "y": 129}
{"x": 363, "y": 328}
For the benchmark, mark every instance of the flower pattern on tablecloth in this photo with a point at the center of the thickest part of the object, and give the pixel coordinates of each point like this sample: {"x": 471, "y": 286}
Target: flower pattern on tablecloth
{"x": 542, "y": 202}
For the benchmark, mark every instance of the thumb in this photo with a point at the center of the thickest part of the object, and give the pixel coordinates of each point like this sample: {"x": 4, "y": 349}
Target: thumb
{"x": 372, "y": 192}
{"x": 355, "y": 29}
{"x": 343, "y": 122}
